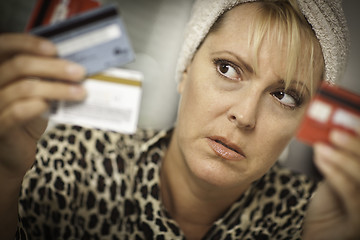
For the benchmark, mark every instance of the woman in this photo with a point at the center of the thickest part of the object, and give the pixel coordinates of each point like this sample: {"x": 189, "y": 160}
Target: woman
{"x": 245, "y": 82}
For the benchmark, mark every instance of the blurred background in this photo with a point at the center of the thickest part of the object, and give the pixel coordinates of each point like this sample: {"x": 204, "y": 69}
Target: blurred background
{"x": 156, "y": 29}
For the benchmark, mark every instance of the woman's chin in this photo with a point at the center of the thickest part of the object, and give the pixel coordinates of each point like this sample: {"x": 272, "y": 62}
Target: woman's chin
{"x": 218, "y": 173}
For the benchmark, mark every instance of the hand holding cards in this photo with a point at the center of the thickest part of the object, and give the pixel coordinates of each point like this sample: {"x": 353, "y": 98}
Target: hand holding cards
{"x": 332, "y": 107}
{"x": 97, "y": 39}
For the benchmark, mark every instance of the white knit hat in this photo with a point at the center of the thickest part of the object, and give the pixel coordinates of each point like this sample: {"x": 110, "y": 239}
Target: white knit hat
{"x": 325, "y": 16}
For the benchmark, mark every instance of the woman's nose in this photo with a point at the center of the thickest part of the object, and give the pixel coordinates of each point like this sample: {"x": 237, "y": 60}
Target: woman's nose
{"x": 244, "y": 112}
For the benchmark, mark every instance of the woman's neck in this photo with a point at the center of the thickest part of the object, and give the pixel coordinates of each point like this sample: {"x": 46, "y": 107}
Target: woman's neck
{"x": 191, "y": 202}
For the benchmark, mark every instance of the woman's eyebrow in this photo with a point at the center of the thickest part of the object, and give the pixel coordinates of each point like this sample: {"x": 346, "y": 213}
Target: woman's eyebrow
{"x": 246, "y": 65}
{"x": 297, "y": 84}
{"x": 251, "y": 70}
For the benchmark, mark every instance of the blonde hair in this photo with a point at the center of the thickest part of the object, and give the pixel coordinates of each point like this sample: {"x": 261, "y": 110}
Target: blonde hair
{"x": 282, "y": 23}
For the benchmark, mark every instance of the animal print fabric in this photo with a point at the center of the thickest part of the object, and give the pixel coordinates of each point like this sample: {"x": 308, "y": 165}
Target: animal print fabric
{"x": 92, "y": 184}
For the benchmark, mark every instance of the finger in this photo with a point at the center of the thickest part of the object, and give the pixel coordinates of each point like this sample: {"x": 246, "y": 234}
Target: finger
{"x": 14, "y": 43}
{"x": 343, "y": 160}
{"x": 43, "y": 67}
{"x": 346, "y": 141}
{"x": 21, "y": 112}
{"x": 35, "y": 88}
{"x": 347, "y": 191}
{"x": 344, "y": 181}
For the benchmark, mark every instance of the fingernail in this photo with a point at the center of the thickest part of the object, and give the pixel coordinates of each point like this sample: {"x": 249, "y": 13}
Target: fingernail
{"x": 78, "y": 91}
{"x": 47, "y": 47}
{"x": 323, "y": 165}
{"x": 322, "y": 158}
{"x": 339, "y": 137}
{"x": 75, "y": 69}
{"x": 324, "y": 150}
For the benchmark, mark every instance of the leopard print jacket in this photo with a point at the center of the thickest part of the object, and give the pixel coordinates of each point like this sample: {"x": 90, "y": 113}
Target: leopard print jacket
{"x": 91, "y": 184}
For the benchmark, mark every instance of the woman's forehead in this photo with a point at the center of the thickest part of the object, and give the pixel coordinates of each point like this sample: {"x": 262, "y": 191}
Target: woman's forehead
{"x": 236, "y": 35}
{"x": 242, "y": 31}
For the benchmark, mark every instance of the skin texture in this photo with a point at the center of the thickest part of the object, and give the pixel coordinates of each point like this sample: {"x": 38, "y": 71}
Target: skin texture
{"x": 223, "y": 98}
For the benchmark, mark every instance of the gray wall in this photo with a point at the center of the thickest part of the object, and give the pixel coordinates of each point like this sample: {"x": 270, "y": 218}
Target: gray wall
{"x": 14, "y": 14}
{"x": 352, "y": 75}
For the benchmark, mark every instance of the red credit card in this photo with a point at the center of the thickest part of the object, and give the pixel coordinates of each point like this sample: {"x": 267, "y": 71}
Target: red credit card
{"x": 51, "y": 11}
{"x": 332, "y": 107}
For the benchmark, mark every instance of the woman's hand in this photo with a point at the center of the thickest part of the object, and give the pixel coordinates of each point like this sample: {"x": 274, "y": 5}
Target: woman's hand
{"x": 27, "y": 63}
{"x": 334, "y": 211}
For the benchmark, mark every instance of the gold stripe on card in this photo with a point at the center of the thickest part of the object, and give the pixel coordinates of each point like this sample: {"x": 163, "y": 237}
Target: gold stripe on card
{"x": 116, "y": 80}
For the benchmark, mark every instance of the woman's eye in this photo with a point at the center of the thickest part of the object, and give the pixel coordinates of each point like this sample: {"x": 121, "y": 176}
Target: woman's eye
{"x": 286, "y": 99}
{"x": 227, "y": 70}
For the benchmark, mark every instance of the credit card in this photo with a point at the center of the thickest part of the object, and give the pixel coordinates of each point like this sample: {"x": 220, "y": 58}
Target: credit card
{"x": 112, "y": 103}
{"x": 332, "y": 107}
{"x": 47, "y": 12}
{"x": 96, "y": 39}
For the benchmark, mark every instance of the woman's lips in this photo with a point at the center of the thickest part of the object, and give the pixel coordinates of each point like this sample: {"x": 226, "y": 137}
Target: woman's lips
{"x": 225, "y": 149}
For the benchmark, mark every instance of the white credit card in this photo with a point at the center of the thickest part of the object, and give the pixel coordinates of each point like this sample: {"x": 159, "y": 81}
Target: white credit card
{"x": 112, "y": 103}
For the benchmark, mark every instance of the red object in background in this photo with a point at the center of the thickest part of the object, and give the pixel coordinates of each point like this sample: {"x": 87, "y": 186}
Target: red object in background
{"x": 50, "y": 11}
{"x": 332, "y": 107}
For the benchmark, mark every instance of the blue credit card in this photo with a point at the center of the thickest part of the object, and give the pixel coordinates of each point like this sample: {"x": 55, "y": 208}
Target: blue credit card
{"x": 96, "y": 39}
